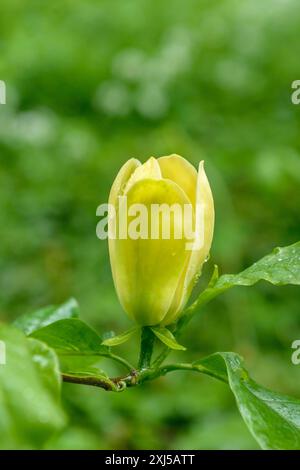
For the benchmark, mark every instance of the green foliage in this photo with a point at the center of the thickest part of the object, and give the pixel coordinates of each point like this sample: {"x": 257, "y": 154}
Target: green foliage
{"x": 29, "y": 382}
{"x": 75, "y": 343}
{"x": 31, "y": 322}
{"x": 166, "y": 337}
{"x": 120, "y": 339}
{"x": 281, "y": 267}
{"x": 71, "y": 336}
{"x": 47, "y": 363}
{"x": 273, "y": 419}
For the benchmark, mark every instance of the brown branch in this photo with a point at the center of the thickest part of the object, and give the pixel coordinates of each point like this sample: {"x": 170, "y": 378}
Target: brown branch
{"x": 116, "y": 384}
{"x": 89, "y": 380}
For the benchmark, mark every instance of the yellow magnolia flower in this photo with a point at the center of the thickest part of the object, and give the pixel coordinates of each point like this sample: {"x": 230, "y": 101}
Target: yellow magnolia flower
{"x": 154, "y": 277}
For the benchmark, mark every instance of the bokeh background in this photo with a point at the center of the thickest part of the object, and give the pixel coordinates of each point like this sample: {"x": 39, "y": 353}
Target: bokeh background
{"x": 91, "y": 83}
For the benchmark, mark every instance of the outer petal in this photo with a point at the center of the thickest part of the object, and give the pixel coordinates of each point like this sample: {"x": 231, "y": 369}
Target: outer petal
{"x": 148, "y": 269}
{"x": 178, "y": 169}
{"x": 193, "y": 269}
{"x": 204, "y": 198}
{"x": 122, "y": 178}
{"x": 116, "y": 190}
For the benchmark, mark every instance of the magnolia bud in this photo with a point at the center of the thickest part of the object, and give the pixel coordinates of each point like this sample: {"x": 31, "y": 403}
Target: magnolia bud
{"x": 155, "y": 266}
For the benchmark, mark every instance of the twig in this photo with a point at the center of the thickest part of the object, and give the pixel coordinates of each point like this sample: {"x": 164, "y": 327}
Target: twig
{"x": 116, "y": 384}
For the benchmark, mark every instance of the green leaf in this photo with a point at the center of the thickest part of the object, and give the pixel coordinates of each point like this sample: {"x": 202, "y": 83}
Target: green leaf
{"x": 47, "y": 364}
{"x": 71, "y": 335}
{"x": 76, "y": 344}
{"x": 29, "y": 413}
{"x": 272, "y": 418}
{"x": 120, "y": 339}
{"x": 214, "y": 366}
{"x": 166, "y": 337}
{"x": 31, "y": 322}
{"x": 214, "y": 277}
{"x": 281, "y": 267}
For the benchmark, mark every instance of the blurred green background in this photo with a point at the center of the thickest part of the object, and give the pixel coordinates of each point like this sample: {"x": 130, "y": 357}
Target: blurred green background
{"x": 91, "y": 83}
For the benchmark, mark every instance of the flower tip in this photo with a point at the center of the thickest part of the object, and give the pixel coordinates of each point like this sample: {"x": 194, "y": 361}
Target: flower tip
{"x": 151, "y": 163}
{"x": 133, "y": 160}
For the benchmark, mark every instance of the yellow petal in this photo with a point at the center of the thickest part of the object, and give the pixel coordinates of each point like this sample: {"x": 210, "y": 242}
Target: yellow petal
{"x": 149, "y": 269}
{"x": 205, "y": 199}
{"x": 150, "y": 169}
{"x": 193, "y": 269}
{"x": 178, "y": 169}
{"x": 122, "y": 178}
{"x": 117, "y": 189}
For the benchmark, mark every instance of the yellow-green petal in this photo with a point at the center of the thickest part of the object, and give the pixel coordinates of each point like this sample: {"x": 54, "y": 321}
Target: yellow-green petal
{"x": 178, "y": 169}
{"x": 122, "y": 178}
{"x": 150, "y": 169}
{"x": 197, "y": 258}
{"x": 148, "y": 269}
{"x": 117, "y": 189}
{"x": 205, "y": 199}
